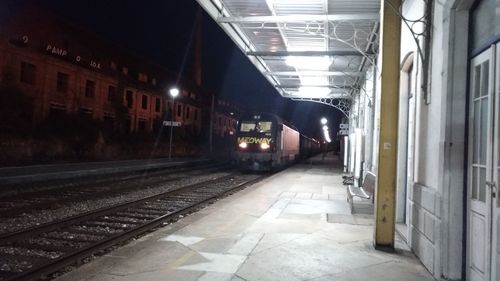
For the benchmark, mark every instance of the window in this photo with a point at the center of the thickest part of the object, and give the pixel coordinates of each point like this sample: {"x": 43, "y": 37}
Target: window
{"x": 128, "y": 126}
{"x": 144, "y": 102}
{"x": 179, "y": 110}
{"x": 109, "y": 121}
{"x": 86, "y": 112}
{"x": 157, "y": 105}
{"x": 141, "y": 125}
{"x": 187, "y": 112}
{"x": 111, "y": 93}
{"x": 256, "y": 126}
{"x": 90, "y": 89}
{"x": 129, "y": 98}
{"x": 195, "y": 114}
{"x": 28, "y": 72}
{"x": 57, "y": 111}
{"x": 142, "y": 77}
{"x": 62, "y": 82}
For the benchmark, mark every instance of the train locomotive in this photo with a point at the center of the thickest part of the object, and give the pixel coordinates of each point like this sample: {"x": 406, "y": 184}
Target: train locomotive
{"x": 265, "y": 142}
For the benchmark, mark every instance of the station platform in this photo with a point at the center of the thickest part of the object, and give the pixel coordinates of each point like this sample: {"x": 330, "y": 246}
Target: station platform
{"x": 33, "y": 173}
{"x": 294, "y": 225}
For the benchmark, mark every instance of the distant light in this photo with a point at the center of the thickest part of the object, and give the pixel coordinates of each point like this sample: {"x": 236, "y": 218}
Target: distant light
{"x": 324, "y": 121}
{"x": 326, "y": 133}
{"x": 264, "y": 146}
{"x": 174, "y": 92}
{"x": 243, "y": 145}
{"x": 231, "y": 113}
{"x": 358, "y": 134}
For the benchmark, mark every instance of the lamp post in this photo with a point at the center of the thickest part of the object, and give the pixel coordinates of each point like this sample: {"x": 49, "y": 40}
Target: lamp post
{"x": 173, "y": 92}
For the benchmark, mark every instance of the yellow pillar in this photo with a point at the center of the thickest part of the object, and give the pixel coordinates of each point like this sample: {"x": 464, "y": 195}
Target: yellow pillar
{"x": 385, "y": 199}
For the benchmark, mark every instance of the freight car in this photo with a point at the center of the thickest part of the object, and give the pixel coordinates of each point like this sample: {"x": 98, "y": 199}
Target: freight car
{"x": 265, "y": 142}
{"x": 308, "y": 147}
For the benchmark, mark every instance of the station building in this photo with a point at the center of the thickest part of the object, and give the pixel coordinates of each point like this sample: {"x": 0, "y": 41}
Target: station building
{"x": 419, "y": 84}
{"x": 448, "y": 159}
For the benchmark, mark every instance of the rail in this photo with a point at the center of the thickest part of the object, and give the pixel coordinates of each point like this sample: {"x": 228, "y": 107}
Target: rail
{"x": 39, "y": 251}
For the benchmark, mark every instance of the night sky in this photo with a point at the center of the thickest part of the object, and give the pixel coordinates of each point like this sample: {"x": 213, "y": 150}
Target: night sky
{"x": 161, "y": 31}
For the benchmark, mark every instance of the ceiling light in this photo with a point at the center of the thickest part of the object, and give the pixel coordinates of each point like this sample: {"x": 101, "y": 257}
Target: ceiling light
{"x": 314, "y": 80}
{"x": 314, "y": 91}
{"x": 309, "y": 63}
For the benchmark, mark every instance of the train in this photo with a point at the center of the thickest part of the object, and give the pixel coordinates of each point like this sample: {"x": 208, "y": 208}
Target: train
{"x": 265, "y": 142}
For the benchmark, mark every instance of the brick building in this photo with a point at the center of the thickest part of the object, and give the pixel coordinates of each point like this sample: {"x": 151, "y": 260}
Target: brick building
{"x": 225, "y": 118}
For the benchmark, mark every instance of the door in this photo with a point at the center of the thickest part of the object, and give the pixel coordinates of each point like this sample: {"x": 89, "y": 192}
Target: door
{"x": 496, "y": 175}
{"x": 480, "y": 171}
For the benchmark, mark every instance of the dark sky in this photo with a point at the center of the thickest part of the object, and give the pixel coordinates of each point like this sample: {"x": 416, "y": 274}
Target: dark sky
{"x": 161, "y": 31}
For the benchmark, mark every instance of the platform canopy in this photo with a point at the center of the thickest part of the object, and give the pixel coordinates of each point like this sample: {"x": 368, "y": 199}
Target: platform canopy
{"x": 313, "y": 50}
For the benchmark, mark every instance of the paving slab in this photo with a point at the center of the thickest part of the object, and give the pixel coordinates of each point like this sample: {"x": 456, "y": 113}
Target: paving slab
{"x": 295, "y": 225}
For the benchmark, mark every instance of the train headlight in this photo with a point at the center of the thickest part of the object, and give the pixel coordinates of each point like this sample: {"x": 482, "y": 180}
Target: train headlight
{"x": 264, "y": 146}
{"x": 243, "y": 145}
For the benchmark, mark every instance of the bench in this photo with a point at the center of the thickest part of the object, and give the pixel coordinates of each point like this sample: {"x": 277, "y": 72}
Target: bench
{"x": 347, "y": 179}
{"x": 365, "y": 194}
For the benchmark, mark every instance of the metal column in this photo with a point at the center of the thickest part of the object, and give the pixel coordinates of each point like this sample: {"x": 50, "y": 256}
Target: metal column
{"x": 387, "y": 157}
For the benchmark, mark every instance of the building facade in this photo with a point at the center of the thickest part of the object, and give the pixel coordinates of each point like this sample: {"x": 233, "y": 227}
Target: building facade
{"x": 64, "y": 69}
{"x": 447, "y": 206}
{"x": 225, "y": 118}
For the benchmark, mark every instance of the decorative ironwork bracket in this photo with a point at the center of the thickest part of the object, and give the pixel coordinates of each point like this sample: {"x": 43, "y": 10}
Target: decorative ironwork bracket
{"x": 420, "y": 29}
{"x": 344, "y": 105}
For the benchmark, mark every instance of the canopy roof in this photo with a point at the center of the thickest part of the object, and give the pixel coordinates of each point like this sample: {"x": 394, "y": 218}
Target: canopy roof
{"x": 308, "y": 49}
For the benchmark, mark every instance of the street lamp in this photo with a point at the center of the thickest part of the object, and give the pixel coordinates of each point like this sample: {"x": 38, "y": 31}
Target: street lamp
{"x": 173, "y": 92}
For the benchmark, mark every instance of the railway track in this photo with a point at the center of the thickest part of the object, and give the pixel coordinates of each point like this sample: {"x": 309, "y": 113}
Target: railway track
{"x": 16, "y": 205}
{"x": 42, "y": 250}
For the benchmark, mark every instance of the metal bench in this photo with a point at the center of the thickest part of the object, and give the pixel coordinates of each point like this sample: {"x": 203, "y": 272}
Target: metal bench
{"x": 364, "y": 193}
{"x": 347, "y": 179}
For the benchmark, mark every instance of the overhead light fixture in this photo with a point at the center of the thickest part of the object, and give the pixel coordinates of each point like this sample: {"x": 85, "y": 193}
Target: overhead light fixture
{"x": 309, "y": 62}
{"x": 314, "y": 80}
{"x": 314, "y": 91}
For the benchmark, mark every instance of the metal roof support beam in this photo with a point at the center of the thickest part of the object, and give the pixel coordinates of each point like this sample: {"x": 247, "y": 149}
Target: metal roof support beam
{"x": 304, "y": 53}
{"x": 385, "y": 199}
{"x": 340, "y": 87}
{"x": 314, "y": 73}
{"x": 330, "y": 96}
{"x": 236, "y": 34}
{"x": 342, "y": 104}
{"x": 299, "y": 18}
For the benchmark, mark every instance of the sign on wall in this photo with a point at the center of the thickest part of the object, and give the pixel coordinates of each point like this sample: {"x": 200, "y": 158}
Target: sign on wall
{"x": 172, "y": 123}
{"x": 344, "y": 129}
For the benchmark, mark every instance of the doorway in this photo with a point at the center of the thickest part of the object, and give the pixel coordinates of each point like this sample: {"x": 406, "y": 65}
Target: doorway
{"x": 483, "y": 258}
{"x": 405, "y": 145}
